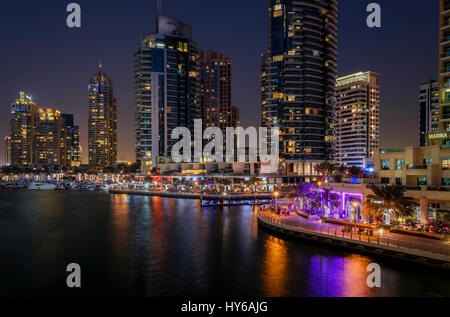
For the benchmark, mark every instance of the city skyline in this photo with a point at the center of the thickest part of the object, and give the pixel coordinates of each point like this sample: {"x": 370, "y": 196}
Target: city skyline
{"x": 395, "y": 99}
{"x": 205, "y": 149}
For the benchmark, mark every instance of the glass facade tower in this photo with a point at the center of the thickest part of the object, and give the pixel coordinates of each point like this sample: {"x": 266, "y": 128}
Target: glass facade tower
{"x": 102, "y": 121}
{"x": 50, "y": 140}
{"x": 72, "y": 140}
{"x": 216, "y": 80}
{"x": 167, "y": 87}
{"x": 357, "y": 118}
{"x": 298, "y": 80}
{"x": 428, "y": 110}
{"x": 22, "y": 130}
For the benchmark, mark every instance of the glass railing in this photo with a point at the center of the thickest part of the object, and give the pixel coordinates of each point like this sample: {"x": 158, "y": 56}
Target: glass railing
{"x": 394, "y": 150}
{"x": 417, "y": 167}
{"x": 413, "y": 188}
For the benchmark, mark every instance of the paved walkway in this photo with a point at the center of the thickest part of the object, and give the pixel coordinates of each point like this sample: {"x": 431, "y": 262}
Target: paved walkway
{"x": 391, "y": 239}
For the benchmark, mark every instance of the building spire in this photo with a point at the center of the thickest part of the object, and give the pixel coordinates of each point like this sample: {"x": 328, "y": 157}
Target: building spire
{"x": 158, "y": 14}
{"x": 159, "y": 7}
{"x": 100, "y": 67}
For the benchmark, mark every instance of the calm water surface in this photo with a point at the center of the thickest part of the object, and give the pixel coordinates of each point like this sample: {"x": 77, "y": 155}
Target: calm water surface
{"x": 151, "y": 246}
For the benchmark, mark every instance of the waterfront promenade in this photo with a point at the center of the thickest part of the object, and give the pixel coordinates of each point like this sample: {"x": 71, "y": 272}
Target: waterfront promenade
{"x": 422, "y": 250}
{"x": 416, "y": 249}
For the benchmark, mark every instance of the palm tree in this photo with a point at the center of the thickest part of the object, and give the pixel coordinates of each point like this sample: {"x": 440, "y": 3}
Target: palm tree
{"x": 389, "y": 199}
{"x": 354, "y": 171}
{"x": 329, "y": 200}
{"x": 326, "y": 169}
{"x": 305, "y": 192}
{"x": 339, "y": 173}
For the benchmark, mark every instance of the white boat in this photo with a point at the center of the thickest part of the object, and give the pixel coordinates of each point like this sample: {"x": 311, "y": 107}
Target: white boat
{"x": 42, "y": 186}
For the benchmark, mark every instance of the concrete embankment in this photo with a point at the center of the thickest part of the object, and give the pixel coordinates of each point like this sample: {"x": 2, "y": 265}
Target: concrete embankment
{"x": 372, "y": 245}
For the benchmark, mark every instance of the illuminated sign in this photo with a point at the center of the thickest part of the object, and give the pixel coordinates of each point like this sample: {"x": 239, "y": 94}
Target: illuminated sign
{"x": 438, "y": 135}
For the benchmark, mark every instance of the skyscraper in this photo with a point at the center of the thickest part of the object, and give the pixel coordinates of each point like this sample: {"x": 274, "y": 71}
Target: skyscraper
{"x": 357, "y": 118}
{"x": 38, "y": 136}
{"x": 50, "y": 146}
{"x": 428, "y": 110}
{"x": 444, "y": 75}
{"x": 235, "y": 117}
{"x": 167, "y": 88}
{"x": 299, "y": 80}
{"x": 22, "y": 127}
{"x": 215, "y": 73}
{"x": 102, "y": 121}
{"x": 72, "y": 141}
{"x": 7, "y": 150}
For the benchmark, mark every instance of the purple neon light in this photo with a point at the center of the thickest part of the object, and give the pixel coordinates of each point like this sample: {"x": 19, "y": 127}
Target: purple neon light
{"x": 343, "y": 195}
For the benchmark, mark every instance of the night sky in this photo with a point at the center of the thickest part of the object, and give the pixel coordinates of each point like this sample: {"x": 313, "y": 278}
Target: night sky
{"x": 41, "y": 55}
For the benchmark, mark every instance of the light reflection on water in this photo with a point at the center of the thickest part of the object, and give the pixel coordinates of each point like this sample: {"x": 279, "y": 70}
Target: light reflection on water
{"x": 153, "y": 246}
{"x": 275, "y": 268}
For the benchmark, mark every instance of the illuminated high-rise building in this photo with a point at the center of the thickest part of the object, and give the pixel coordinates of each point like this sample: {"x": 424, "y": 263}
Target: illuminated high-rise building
{"x": 50, "y": 145}
{"x": 167, "y": 88}
{"x": 215, "y": 73}
{"x": 357, "y": 122}
{"x": 444, "y": 75}
{"x": 428, "y": 110}
{"x": 22, "y": 129}
{"x": 7, "y": 150}
{"x": 72, "y": 141}
{"x": 102, "y": 121}
{"x": 298, "y": 80}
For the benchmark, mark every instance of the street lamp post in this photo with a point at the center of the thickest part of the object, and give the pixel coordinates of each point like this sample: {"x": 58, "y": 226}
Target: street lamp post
{"x": 356, "y": 205}
{"x": 276, "y": 194}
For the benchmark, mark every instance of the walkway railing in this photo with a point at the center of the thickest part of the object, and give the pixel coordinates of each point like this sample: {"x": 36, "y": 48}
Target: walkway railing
{"x": 377, "y": 240}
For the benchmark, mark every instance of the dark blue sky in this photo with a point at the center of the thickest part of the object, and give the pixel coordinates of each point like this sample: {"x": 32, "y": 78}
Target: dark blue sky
{"x": 39, "y": 54}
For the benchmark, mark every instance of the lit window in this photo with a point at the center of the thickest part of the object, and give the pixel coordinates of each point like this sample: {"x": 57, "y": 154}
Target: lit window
{"x": 278, "y": 58}
{"x": 278, "y": 95}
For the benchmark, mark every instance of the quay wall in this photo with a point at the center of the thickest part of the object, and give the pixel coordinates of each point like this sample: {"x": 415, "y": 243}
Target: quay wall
{"x": 438, "y": 259}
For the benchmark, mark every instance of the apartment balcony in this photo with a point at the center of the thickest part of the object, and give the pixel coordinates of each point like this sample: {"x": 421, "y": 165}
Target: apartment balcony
{"x": 444, "y": 101}
{"x": 445, "y": 71}
{"x": 445, "y": 26}
{"x": 445, "y": 41}
{"x": 446, "y": 10}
